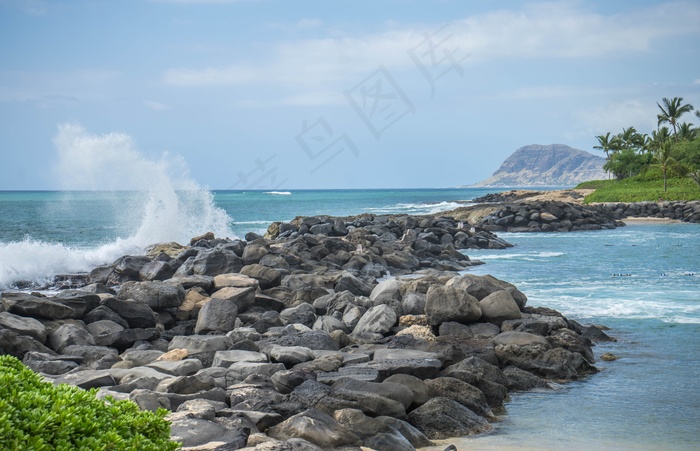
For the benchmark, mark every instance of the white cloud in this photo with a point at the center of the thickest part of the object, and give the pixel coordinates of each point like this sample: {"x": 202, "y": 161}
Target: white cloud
{"x": 613, "y": 117}
{"x": 157, "y": 106}
{"x": 541, "y": 30}
{"x": 696, "y": 81}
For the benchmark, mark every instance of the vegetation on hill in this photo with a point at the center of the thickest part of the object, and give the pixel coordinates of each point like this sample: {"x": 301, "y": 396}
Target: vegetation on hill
{"x": 665, "y": 154}
{"x": 37, "y": 415}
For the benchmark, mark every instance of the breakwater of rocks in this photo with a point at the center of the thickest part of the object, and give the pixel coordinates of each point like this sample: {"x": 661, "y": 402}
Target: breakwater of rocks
{"x": 327, "y": 333}
{"x": 557, "y": 216}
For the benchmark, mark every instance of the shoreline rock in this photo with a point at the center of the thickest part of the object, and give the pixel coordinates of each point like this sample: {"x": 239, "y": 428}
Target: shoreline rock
{"x": 341, "y": 332}
{"x": 557, "y": 216}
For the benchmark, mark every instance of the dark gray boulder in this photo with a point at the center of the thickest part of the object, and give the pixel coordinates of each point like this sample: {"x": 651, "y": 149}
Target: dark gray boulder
{"x": 24, "y": 304}
{"x": 499, "y": 306}
{"x": 69, "y": 334}
{"x": 137, "y": 314}
{"x": 218, "y": 316}
{"x": 23, "y": 326}
{"x": 317, "y": 428}
{"x": 467, "y": 395}
{"x": 442, "y": 418}
{"x": 157, "y": 295}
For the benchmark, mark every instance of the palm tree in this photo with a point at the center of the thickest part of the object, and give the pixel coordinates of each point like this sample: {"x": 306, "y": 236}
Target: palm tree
{"x": 605, "y": 144}
{"x": 665, "y": 159}
{"x": 672, "y": 111}
{"x": 686, "y": 132}
{"x": 657, "y": 138}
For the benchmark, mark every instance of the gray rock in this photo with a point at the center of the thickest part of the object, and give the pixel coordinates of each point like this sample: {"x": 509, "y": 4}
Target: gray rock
{"x": 187, "y": 384}
{"x": 329, "y": 324}
{"x": 24, "y": 304}
{"x": 240, "y": 370}
{"x": 450, "y": 304}
{"x": 397, "y": 392}
{"x": 287, "y": 380}
{"x": 521, "y": 380}
{"x": 303, "y": 313}
{"x": 49, "y": 364}
{"x": 473, "y": 370}
{"x": 379, "y": 320}
{"x": 94, "y": 357}
{"x": 102, "y": 313}
{"x": 225, "y": 359}
{"x": 243, "y": 297}
{"x": 290, "y": 355}
{"x": 141, "y": 357}
{"x": 137, "y": 314}
{"x": 467, "y": 395}
{"x": 218, "y": 316}
{"x": 413, "y": 303}
{"x": 157, "y": 295}
{"x": 413, "y": 435}
{"x": 23, "y": 326}
{"x": 156, "y": 270}
{"x": 87, "y": 379}
{"x": 253, "y": 253}
{"x": 16, "y": 345}
{"x": 200, "y": 343}
{"x": 421, "y": 391}
{"x": 456, "y": 330}
{"x": 192, "y": 432}
{"x": 267, "y": 277}
{"x": 212, "y": 262}
{"x": 104, "y": 331}
{"x": 186, "y": 367}
{"x": 481, "y": 331}
{"x": 130, "y": 265}
{"x": 69, "y": 334}
{"x": 315, "y": 427}
{"x": 389, "y": 289}
{"x": 355, "y": 285}
{"x": 499, "y": 306}
{"x": 442, "y": 418}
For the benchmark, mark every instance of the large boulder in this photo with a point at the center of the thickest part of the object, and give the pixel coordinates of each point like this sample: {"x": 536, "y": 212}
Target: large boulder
{"x": 467, "y": 395}
{"x": 499, "y": 306}
{"x": 24, "y": 304}
{"x": 266, "y": 277}
{"x": 377, "y": 320}
{"x": 212, "y": 262}
{"x": 315, "y": 427}
{"x": 450, "y": 304}
{"x": 218, "y": 315}
{"x": 23, "y": 326}
{"x": 442, "y": 418}
{"x": 157, "y": 295}
{"x": 136, "y": 314}
{"x": 69, "y": 334}
{"x": 243, "y": 297}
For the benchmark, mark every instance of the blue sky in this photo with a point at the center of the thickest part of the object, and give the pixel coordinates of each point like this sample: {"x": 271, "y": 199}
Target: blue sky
{"x": 326, "y": 94}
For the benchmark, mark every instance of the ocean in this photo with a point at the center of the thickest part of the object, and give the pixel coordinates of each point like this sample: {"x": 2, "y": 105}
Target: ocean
{"x": 642, "y": 281}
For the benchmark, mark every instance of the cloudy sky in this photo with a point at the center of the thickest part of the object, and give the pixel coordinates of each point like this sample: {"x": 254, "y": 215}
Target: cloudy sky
{"x": 326, "y": 94}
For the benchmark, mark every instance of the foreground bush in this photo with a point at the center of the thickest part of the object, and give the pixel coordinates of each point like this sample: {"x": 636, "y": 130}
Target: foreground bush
{"x": 36, "y": 415}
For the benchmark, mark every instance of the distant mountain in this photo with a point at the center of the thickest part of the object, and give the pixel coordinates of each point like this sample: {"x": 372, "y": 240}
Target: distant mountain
{"x": 552, "y": 165}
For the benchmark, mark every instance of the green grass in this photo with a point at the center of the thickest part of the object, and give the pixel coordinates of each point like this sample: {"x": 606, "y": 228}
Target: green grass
{"x": 636, "y": 189}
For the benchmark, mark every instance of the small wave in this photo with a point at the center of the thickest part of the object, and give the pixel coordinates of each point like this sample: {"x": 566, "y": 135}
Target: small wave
{"x": 519, "y": 256}
{"x": 278, "y": 193}
{"x": 420, "y": 208}
{"x": 237, "y": 223}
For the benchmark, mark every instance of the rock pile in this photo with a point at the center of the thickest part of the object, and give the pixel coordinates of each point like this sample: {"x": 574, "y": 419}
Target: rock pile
{"x": 505, "y": 215}
{"x": 304, "y": 341}
{"x": 544, "y": 216}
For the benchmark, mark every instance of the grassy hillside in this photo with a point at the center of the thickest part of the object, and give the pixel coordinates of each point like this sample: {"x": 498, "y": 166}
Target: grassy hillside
{"x": 636, "y": 189}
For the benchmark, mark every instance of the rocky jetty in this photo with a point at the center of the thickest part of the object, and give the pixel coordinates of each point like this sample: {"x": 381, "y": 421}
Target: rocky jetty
{"x": 325, "y": 334}
{"x": 515, "y": 211}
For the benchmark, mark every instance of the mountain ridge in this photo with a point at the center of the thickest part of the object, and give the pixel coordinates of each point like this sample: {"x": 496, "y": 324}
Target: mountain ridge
{"x": 547, "y": 165}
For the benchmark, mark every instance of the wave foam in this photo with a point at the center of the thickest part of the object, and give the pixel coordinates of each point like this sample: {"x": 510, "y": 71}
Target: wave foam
{"x": 278, "y": 193}
{"x": 174, "y": 207}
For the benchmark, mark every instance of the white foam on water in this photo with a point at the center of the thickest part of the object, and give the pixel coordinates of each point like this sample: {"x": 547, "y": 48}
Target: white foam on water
{"x": 279, "y": 193}
{"x": 174, "y": 207}
{"x": 420, "y": 208}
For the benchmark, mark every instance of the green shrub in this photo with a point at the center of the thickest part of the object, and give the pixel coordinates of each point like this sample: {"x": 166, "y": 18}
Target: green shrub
{"x": 37, "y": 415}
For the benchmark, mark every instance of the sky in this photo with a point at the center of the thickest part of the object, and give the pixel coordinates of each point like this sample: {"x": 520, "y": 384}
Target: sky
{"x": 279, "y": 94}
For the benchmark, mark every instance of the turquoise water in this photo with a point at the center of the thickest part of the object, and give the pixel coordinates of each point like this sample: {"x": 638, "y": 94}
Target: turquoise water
{"x": 648, "y": 399}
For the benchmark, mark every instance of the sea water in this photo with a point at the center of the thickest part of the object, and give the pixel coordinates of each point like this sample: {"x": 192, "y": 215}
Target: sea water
{"x": 642, "y": 281}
